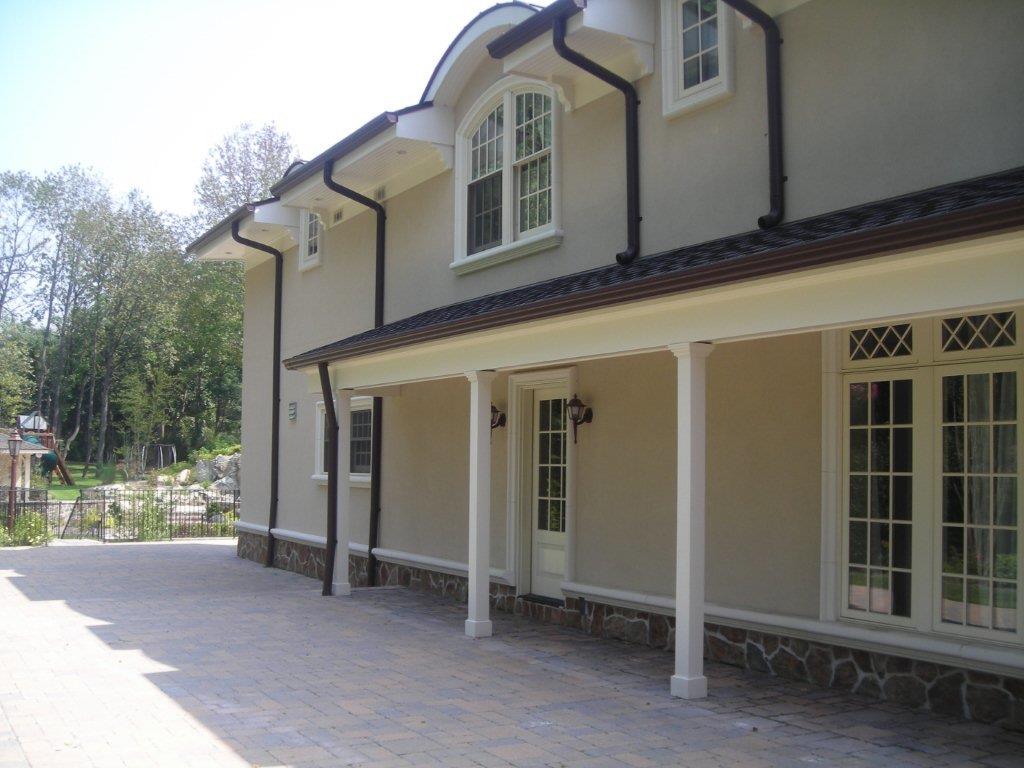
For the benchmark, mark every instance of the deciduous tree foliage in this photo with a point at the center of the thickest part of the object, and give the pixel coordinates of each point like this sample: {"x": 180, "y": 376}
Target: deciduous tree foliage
{"x": 107, "y": 326}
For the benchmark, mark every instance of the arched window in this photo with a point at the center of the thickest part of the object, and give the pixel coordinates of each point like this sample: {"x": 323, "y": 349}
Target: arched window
{"x": 506, "y": 177}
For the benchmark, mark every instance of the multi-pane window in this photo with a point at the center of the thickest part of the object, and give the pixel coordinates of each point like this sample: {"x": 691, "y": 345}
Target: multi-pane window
{"x": 485, "y": 182}
{"x": 881, "y": 342}
{"x": 980, "y": 473}
{"x": 310, "y": 233}
{"x": 551, "y": 465}
{"x": 533, "y": 160}
{"x": 507, "y": 167}
{"x": 699, "y": 26}
{"x": 361, "y": 441}
{"x": 975, "y": 332}
{"x": 880, "y": 465}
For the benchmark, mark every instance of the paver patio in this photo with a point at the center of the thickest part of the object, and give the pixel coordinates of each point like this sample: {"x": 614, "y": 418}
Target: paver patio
{"x": 181, "y": 654}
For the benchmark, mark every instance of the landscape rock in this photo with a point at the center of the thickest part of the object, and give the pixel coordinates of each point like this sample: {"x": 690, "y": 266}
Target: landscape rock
{"x": 164, "y": 480}
{"x": 182, "y": 477}
{"x": 224, "y": 485}
{"x": 203, "y": 471}
{"x": 221, "y": 466}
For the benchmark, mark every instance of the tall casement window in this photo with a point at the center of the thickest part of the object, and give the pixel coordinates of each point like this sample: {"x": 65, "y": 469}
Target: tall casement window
{"x": 310, "y": 235}
{"x": 932, "y": 514}
{"x": 507, "y": 173}
{"x": 696, "y": 53}
{"x": 360, "y": 441}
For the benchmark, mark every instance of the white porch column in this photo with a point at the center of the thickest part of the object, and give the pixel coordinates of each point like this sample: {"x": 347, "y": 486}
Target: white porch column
{"x": 479, "y": 623}
{"x": 343, "y": 411}
{"x": 689, "y": 682}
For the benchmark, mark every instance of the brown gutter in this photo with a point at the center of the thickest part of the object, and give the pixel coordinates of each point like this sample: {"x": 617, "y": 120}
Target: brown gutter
{"x": 982, "y": 220}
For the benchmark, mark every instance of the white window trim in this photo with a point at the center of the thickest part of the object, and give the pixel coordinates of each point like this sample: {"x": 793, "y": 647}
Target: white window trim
{"x": 306, "y": 261}
{"x": 512, "y": 246}
{"x": 675, "y": 100}
{"x": 926, "y": 365}
{"x": 355, "y": 479}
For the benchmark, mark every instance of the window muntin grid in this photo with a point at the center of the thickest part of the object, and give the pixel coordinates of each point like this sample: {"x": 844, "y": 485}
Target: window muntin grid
{"x": 879, "y": 503}
{"x": 882, "y": 342}
{"x": 361, "y": 441}
{"x": 699, "y": 41}
{"x": 484, "y": 192}
{"x": 551, "y": 465}
{"x": 975, "y": 332}
{"x": 980, "y": 525}
{"x": 533, "y": 159}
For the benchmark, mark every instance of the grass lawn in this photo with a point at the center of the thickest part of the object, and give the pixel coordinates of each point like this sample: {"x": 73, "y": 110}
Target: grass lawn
{"x": 59, "y": 491}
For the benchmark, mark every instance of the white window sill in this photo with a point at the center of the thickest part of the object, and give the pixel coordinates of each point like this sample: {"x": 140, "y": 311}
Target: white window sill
{"x": 355, "y": 480}
{"x": 698, "y": 97}
{"x": 526, "y": 246}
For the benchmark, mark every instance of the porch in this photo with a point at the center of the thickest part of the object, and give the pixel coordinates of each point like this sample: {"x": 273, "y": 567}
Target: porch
{"x": 175, "y": 653}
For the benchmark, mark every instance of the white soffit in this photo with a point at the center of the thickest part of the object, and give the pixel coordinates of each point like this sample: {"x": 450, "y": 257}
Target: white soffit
{"x": 470, "y": 50}
{"x": 271, "y": 224}
{"x": 419, "y": 146}
{"x": 617, "y": 34}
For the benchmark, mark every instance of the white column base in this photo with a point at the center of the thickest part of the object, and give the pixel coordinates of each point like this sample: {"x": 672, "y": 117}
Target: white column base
{"x": 478, "y": 628}
{"x": 689, "y": 687}
{"x": 341, "y": 589}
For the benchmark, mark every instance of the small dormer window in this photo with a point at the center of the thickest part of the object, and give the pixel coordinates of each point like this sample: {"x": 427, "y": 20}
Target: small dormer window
{"x": 309, "y": 240}
{"x": 507, "y": 173}
{"x": 696, "y": 53}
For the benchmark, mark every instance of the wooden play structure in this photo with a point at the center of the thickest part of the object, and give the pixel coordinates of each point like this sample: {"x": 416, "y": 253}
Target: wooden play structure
{"x": 33, "y": 425}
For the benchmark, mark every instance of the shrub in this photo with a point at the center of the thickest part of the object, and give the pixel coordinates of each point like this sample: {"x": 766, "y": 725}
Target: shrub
{"x": 30, "y": 529}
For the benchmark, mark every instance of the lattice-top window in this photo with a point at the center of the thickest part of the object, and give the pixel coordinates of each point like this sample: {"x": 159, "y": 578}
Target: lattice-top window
{"x": 882, "y": 342}
{"x": 533, "y": 159}
{"x": 974, "y": 332}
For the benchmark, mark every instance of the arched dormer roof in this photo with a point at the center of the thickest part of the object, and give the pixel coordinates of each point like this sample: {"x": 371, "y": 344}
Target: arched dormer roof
{"x": 469, "y": 49}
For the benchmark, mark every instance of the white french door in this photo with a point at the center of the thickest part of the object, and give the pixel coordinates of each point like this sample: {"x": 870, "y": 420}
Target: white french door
{"x": 548, "y": 496}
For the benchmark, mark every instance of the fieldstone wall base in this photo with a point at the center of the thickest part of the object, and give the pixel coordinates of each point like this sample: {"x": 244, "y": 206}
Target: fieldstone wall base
{"x": 252, "y": 546}
{"x": 915, "y": 684}
{"x": 299, "y": 558}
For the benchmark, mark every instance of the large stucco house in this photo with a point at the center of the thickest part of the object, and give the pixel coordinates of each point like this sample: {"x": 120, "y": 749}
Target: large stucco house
{"x": 692, "y": 323}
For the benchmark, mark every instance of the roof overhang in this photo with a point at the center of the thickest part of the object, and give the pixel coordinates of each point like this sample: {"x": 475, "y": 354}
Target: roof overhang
{"x": 415, "y": 145}
{"x": 469, "y": 49}
{"x": 267, "y": 221}
{"x": 617, "y": 34}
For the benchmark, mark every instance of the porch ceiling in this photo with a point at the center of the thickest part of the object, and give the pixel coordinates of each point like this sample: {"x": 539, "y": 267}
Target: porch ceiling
{"x": 932, "y": 217}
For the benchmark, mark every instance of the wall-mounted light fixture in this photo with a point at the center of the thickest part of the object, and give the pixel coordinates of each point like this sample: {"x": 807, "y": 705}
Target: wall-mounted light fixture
{"x": 497, "y": 417}
{"x": 579, "y": 413}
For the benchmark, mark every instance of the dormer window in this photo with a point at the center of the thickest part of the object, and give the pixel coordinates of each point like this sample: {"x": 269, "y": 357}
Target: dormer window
{"x": 311, "y": 231}
{"x": 506, "y": 174}
{"x": 696, "y": 53}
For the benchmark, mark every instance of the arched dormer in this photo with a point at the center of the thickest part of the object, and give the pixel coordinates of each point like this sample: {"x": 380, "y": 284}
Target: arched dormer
{"x": 469, "y": 49}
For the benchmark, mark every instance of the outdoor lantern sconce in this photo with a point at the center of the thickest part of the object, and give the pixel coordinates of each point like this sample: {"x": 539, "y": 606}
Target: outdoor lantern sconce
{"x": 14, "y": 445}
{"x": 579, "y": 413}
{"x": 497, "y": 417}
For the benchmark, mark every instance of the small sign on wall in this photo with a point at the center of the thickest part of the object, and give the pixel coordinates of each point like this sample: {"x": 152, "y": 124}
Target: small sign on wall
{"x": 293, "y": 410}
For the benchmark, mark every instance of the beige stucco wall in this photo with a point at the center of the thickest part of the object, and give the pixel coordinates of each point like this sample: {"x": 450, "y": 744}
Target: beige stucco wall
{"x": 764, "y": 475}
{"x": 257, "y": 375}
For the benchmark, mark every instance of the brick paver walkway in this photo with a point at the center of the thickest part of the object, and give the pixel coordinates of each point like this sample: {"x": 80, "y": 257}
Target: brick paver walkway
{"x": 183, "y": 655}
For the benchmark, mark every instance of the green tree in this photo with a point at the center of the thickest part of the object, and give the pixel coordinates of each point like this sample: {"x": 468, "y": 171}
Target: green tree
{"x": 15, "y": 372}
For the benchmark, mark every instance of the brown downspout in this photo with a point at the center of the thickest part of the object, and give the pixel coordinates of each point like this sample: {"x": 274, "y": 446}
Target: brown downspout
{"x": 773, "y": 78}
{"x": 376, "y": 428}
{"x": 331, "y": 461}
{"x": 275, "y": 398}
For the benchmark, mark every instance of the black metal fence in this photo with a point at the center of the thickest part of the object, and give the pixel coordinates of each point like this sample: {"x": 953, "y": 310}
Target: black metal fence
{"x": 36, "y": 516}
{"x": 147, "y": 514}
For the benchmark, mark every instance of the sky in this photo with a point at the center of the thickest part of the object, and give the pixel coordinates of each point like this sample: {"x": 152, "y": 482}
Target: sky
{"x": 140, "y": 90}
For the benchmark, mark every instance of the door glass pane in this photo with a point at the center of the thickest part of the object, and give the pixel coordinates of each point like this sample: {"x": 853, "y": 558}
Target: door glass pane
{"x": 979, "y": 500}
{"x": 880, "y": 483}
{"x": 550, "y": 465}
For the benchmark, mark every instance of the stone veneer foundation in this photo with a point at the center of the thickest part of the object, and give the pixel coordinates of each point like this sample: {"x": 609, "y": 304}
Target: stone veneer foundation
{"x": 916, "y": 684}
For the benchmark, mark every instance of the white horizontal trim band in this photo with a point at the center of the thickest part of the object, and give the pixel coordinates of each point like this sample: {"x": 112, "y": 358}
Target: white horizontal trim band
{"x": 435, "y": 563}
{"x": 298, "y": 537}
{"x": 241, "y": 525}
{"x": 641, "y": 601}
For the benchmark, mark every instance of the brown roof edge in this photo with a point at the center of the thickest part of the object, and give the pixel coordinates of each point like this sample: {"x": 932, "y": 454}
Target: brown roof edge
{"x": 982, "y": 220}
